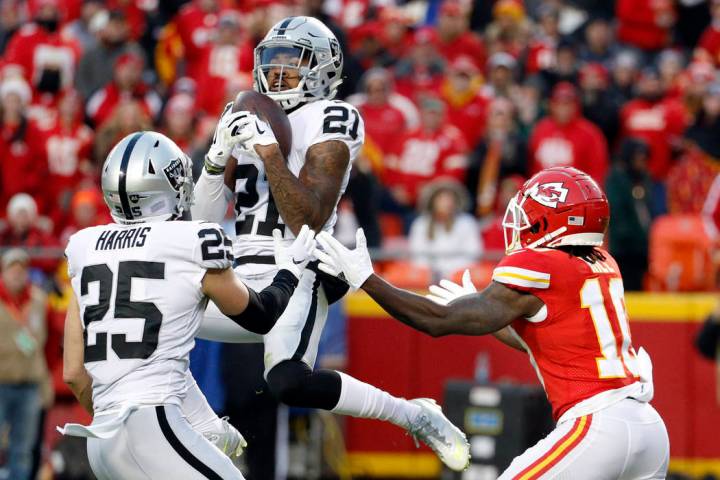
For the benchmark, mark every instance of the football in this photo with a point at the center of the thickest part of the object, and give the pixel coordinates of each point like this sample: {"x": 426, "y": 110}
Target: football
{"x": 269, "y": 111}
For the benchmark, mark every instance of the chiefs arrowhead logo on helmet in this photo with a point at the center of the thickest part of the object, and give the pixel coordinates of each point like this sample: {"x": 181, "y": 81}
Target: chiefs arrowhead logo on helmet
{"x": 548, "y": 194}
{"x": 557, "y": 206}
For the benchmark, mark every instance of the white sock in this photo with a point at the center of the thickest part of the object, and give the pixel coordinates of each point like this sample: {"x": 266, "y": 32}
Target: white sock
{"x": 359, "y": 399}
{"x": 197, "y": 410}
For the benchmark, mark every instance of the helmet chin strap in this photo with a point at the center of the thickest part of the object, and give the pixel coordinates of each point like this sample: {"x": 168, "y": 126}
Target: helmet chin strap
{"x": 548, "y": 237}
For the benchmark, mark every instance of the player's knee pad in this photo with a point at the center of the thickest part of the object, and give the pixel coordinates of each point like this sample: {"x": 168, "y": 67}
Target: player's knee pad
{"x": 287, "y": 380}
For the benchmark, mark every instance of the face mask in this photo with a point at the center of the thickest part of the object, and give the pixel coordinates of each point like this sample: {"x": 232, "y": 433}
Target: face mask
{"x": 51, "y": 25}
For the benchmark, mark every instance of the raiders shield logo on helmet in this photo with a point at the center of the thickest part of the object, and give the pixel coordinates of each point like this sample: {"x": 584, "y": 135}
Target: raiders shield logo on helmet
{"x": 175, "y": 173}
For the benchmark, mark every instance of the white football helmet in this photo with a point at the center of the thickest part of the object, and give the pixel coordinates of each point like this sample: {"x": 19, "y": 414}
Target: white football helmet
{"x": 305, "y": 44}
{"x": 145, "y": 178}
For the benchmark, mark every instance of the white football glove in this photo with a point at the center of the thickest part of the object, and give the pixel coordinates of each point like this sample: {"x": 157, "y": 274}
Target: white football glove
{"x": 352, "y": 266}
{"x": 255, "y": 132}
{"x": 229, "y": 132}
{"x": 297, "y": 255}
{"x": 448, "y": 291}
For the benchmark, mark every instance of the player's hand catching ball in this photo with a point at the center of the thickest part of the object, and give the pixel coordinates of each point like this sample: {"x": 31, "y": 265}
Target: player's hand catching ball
{"x": 229, "y": 132}
{"x": 448, "y": 291}
{"x": 352, "y": 266}
{"x": 296, "y": 256}
{"x": 255, "y": 132}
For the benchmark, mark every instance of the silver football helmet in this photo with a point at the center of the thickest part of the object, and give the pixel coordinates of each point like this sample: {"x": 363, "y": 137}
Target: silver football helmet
{"x": 147, "y": 178}
{"x": 304, "y": 44}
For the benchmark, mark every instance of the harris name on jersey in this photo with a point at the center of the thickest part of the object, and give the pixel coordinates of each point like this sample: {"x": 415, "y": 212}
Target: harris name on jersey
{"x": 113, "y": 239}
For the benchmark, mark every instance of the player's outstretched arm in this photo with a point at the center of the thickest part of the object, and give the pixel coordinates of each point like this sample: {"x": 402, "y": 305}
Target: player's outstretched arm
{"x": 258, "y": 311}
{"x": 74, "y": 373}
{"x": 213, "y": 188}
{"x": 309, "y": 198}
{"x": 476, "y": 314}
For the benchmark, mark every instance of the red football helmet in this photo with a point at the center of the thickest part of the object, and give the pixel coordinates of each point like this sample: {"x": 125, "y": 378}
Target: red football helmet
{"x": 558, "y": 206}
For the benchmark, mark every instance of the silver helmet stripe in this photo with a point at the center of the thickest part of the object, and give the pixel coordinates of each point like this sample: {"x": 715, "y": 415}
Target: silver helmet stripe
{"x": 122, "y": 177}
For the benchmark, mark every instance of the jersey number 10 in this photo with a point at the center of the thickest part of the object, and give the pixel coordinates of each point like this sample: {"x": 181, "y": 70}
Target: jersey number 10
{"x": 616, "y": 359}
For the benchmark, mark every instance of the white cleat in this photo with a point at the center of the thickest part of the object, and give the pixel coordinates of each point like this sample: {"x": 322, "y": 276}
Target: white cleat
{"x": 438, "y": 433}
{"x": 229, "y": 440}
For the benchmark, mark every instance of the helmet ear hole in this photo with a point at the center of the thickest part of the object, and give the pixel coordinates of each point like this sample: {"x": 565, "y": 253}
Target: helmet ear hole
{"x": 535, "y": 227}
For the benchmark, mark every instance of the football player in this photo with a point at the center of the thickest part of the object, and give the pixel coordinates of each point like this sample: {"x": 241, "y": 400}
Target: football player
{"x": 558, "y": 296}
{"x": 299, "y": 65}
{"x": 141, "y": 285}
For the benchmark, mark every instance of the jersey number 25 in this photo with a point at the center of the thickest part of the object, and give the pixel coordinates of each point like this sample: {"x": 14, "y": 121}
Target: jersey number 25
{"x": 124, "y": 308}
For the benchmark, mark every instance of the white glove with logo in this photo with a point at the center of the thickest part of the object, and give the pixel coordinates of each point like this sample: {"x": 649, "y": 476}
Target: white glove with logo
{"x": 297, "y": 255}
{"x": 255, "y": 132}
{"x": 352, "y": 266}
{"x": 229, "y": 132}
{"x": 449, "y": 291}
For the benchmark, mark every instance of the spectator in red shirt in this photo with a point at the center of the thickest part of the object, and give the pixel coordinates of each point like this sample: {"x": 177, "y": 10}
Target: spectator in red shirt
{"x": 44, "y": 57}
{"x": 187, "y": 37}
{"x": 645, "y": 24}
{"x": 461, "y": 92}
{"x": 68, "y": 149}
{"x": 709, "y": 44}
{"x": 386, "y": 113}
{"x": 421, "y": 71}
{"x": 659, "y": 122}
{"x": 566, "y": 139}
{"x": 180, "y": 122}
{"x": 128, "y": 117}
{"x": 22, "y": 229}
{"x": 230, "y": 57}
{"x": 22, "y": 161}
{"x": 454, "y": 36}
{"x": 127, "y": 84}
{"x": 436, "y": 149}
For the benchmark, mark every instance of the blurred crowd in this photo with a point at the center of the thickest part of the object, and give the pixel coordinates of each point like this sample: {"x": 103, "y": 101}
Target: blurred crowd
{"x": 462, "y": 102}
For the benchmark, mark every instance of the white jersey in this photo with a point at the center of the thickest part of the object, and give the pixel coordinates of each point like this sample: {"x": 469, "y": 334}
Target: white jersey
{"x": 139, "y": 291}
{"x": 256, "y": 212}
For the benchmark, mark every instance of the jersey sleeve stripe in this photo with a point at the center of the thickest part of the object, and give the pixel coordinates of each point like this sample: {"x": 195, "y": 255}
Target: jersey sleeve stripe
{"x": 521, "y": 277}
{"x": 524, "y": 273}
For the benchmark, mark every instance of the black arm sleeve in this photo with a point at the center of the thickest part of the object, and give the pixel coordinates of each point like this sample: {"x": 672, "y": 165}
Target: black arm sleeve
{"x": 266, "y": 306}
{"x": 708, "y": 338}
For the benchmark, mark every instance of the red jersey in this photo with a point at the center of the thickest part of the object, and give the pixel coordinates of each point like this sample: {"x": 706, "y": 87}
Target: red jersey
{"x": 222, "y": 63}
{"x": 579, "y": 343}
{"x": 467, "y": 44}
{"x": 23, "y": 167}
{"x": 188, "y": 37}
{"x": 65, "y": 150}
{"x": 638, "y": 23}
{"x": 421, "y": 157}
{"x": 710, "y": 42}
{"x": 102, "y": 103}
{"x": 658, "y": 124}
{"x": 468, "y": 114}
{"x": 34, "y": 50}
{"x": 399, "y": 112}
{"x": 578, "y": 144}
